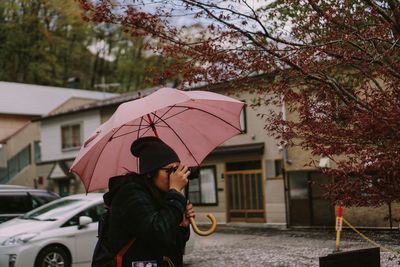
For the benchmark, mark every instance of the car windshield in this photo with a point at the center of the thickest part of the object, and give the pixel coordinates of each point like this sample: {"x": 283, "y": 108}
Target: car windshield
{"x": 53, "y": 210}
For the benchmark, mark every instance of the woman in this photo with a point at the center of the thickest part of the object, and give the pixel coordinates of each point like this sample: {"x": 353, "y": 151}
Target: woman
{"x": 149, "y": 217}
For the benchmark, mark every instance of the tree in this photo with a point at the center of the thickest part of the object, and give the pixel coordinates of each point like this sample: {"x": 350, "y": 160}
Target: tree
{"x": 333, "y": 63}
{"x": 45, "y": 42}
{"x": 39, "y": 41}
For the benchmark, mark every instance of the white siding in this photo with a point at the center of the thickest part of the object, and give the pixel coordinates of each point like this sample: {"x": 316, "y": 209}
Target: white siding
{"x": 51, "y": 133}
{"x": 255, "y": 129}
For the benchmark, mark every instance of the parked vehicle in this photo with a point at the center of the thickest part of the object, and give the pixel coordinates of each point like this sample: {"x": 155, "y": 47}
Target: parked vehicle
{"x": 60, "y": 233}
{"x": 16, "y": 200}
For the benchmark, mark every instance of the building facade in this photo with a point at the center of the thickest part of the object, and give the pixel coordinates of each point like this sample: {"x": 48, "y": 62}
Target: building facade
{"x": 20, "y": 141}
{"x": 248, "y": 179}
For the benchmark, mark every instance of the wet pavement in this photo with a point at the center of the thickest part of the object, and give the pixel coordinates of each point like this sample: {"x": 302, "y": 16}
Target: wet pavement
{"x": 241, "y": 246}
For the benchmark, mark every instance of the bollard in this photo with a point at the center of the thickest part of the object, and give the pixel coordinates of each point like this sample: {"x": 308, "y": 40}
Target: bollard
{"x": 339, "y": 224}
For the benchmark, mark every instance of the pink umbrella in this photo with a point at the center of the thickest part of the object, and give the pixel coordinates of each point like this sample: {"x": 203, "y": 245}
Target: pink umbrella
{"x": 193, "y": 123}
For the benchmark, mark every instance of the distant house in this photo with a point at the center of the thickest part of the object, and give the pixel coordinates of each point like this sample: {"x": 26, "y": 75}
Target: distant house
{"x": 241, "y": 181}
{"x": 20, "y": 104}
{"x": 247, "y": 179}
{"x": 62, "y": 134}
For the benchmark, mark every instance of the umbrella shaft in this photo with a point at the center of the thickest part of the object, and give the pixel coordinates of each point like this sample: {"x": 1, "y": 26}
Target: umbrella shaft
{"x": 152, "y": 125}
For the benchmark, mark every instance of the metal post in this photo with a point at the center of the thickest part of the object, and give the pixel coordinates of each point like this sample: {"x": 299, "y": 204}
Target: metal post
{"x": 339, "y": 224}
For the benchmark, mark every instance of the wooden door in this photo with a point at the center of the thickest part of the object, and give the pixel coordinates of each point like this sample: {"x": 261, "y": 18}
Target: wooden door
{"x": 245, "y": 197}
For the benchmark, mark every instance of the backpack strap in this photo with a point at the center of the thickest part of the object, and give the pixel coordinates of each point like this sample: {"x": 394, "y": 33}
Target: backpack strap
{"x": 121, "y": 253}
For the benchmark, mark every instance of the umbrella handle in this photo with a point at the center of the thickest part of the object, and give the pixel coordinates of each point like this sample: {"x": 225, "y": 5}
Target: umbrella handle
{"x": 207, "y": 232}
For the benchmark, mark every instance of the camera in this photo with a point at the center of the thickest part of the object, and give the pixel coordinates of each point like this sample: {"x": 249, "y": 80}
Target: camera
{"x": 194, "y": 173}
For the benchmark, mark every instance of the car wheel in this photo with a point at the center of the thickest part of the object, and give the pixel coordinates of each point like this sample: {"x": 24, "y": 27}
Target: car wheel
{"x": 53, "y": 256}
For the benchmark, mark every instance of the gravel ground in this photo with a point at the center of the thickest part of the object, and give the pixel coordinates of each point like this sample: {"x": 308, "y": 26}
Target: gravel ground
{"x": 232, "y": 246}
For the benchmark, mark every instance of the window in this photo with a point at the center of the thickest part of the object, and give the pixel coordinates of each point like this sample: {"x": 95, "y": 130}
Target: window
{"x": 39, "y": 200}
{"x": 274, "y": 168}
{"x": 243, "y": 120}
{"x": 243, "y": 165}
{"x": 92, "y": 212}
{"x": 279, "y": 168}
{"x": 54, "y": 210}
{"x": 71, "y": 136}
{"x": 14, "y": 204}
{"x": 18, "y": 162}
{"x": 3, "y": 175}
{"x": 203, "y": 190}
{"x": 38, "y": 151}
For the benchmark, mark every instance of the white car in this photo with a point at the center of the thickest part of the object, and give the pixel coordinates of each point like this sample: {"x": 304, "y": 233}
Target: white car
{"x": 62, "y": 233}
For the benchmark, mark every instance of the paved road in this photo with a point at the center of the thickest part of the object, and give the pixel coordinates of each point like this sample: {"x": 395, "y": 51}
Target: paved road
{"x": 281, "y": 248}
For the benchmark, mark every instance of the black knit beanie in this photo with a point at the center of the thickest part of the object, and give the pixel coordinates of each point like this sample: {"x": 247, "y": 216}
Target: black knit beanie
{"x": 152, "y": 153}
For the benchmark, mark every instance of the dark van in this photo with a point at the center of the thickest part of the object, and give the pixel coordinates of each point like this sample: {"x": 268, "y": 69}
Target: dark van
{"x": 16, "y": 200}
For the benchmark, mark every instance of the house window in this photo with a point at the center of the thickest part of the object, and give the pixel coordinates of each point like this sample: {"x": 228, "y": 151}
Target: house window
{"x": 18, "y": 162}
{"x": 243, "y": 165}
{"x": 203, "y": 190}
{"x": 274, "y": 168}
{"x": 71, "y": 136}
{"x": 243, "y": 120}
{"x": 278, "y": 167}
{"x": 3, "y": 175}
{"x": 38, "y": 151}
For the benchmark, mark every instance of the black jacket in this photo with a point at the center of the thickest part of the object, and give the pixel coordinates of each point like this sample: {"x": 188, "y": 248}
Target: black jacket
{"x": 135, "y": 213}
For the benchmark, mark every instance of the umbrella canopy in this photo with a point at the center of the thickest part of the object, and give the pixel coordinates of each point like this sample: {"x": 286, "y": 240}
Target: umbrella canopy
{"x": 193, "y": 123}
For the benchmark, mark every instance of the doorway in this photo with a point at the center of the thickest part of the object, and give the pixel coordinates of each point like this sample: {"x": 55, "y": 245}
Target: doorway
{"x": 63, "y": 187}
{"x": 307, "y": 207}
{"x": 244, "y": 192}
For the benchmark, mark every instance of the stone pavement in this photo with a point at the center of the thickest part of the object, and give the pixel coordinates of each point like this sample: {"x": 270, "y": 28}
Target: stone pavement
{"x": 261, "y": 246}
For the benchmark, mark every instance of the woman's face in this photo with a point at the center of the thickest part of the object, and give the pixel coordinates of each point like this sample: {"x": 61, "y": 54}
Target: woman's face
{"x": 162, "y": 178}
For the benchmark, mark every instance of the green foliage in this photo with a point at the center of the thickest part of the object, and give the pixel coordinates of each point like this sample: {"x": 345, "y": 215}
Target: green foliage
{"x": 46, "y": 42}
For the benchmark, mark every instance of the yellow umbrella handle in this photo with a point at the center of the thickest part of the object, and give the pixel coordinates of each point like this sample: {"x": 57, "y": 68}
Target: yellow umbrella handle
{"x": 209, "y": 231}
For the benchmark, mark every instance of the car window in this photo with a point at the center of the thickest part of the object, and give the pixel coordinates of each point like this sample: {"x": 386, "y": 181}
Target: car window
{"x": 38, "y": 200}
{"x": 53, "y": 210}
{"x": 93, "y": 212}
{"x": 14, "y": 204}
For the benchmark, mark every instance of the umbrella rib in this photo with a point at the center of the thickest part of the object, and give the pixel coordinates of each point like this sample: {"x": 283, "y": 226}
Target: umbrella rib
{"x": 198, "y": 109}
{"x": 154, "y": 113}
{"x": 137, "y": 137}
{"x": 97, "y": 159}
{"x": 170, "y": 107}
{"x": 140, "y": 125}
{"x": 180, "y": 140}
{"x": 209, "y": 113}
{"x": 131, "y": 125}
{"x": 143, "y": 119}
{"x": 159, "y": 125}
{"x": 176, "y": 114}
{"x": 127, "y": 133}
{"x": 148, "y": 129}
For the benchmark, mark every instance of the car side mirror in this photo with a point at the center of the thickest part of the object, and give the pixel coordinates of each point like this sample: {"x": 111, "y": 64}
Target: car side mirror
{"x": 83, "y": 221}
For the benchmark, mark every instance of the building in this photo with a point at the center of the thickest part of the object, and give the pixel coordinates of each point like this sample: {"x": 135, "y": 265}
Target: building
{"x": 20, "y": 104}
{"x": 63, "y": 133}
{"x": 252, "y": 157}
{"x": 247, "y": 179}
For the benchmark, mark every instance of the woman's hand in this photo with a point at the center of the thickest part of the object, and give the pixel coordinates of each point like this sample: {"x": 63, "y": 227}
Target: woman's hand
{"x": 179, "y": 178}
{"x": 189, "y": 213}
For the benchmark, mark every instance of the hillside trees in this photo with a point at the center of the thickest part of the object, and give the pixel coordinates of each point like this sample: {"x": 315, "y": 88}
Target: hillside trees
{"x": 46, "y": 42}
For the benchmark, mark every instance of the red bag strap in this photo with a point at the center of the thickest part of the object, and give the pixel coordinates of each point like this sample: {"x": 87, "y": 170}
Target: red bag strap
{"x": 121, "y": 253}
